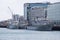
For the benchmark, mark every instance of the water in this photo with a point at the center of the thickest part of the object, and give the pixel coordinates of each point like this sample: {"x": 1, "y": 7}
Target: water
{"x": 19, "y": 34}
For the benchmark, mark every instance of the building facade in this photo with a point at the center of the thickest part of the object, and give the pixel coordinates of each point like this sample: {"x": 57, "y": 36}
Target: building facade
{"x": 35, "y": 12}
{"x": 53, "y": 11}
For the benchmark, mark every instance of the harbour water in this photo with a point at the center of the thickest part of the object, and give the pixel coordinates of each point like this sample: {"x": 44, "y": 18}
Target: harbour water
{"x": 20, "y": 34}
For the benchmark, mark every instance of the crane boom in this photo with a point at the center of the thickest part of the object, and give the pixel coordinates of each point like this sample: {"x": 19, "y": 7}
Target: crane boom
{"x": 10, "y": 10}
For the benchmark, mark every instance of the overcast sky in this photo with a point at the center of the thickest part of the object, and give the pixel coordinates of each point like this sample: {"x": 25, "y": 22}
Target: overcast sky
{"x": 17, "y": 6}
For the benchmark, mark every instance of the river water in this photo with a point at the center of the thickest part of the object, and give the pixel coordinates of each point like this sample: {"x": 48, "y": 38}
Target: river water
{"x": 20, "y": 34}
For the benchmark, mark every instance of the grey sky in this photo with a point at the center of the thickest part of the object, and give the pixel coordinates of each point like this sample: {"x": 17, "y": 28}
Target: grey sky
{"x": 16, "y": 6}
